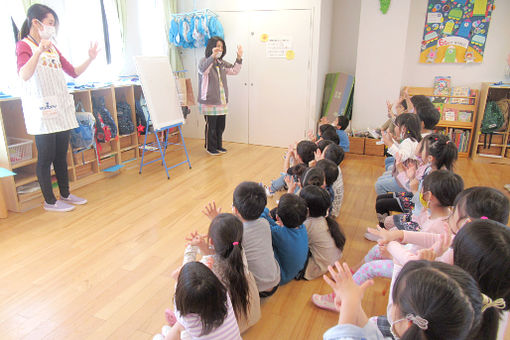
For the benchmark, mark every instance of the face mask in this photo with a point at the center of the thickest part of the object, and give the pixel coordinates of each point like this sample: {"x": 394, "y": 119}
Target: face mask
{"x": 392, "y": 328}
{"x": 424, "y": 203}
{"x": 47, "y": 32}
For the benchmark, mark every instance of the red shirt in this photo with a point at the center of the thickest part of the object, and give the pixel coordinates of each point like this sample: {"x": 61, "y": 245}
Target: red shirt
{"x": 24, "y": 53}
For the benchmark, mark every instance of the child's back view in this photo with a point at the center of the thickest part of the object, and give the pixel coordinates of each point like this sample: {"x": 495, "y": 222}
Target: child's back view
{"x": 248, "y": 204}
{"x": 290, "y": 241}
{"x": 202, "y": 306}
{"x": 325, "y": 238}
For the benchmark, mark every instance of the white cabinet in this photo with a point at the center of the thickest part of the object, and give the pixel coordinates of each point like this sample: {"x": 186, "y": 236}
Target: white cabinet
{"x": 269, "y": 100}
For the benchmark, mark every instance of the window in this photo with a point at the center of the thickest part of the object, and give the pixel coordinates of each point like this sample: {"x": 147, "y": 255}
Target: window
{"x": 80, "y": 24}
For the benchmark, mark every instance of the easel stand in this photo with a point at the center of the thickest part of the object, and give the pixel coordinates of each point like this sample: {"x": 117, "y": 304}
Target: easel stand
{"x": 162, "y": 146}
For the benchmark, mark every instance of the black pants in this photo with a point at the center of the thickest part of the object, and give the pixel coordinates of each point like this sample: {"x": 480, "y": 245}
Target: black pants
{"x": 214, "y": 127}
{"x": 52, "y": 148}
{"x": 386, "y": 203}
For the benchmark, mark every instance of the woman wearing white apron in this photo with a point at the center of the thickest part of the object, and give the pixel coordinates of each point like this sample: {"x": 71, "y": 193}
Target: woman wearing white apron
{"x": 48, "y": 107}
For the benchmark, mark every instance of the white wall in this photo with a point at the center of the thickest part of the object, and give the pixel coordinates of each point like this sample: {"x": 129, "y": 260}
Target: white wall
{"x": 321, "y": 9}
{"x": 491, "y": 69}
{"x": 380, "y": 60}
{"x": 344, "y": 36}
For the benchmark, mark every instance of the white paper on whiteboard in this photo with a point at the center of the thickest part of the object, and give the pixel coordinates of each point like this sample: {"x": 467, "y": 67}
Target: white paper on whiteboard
{"x": 277, "y": 47}
{"x": 160, "y": 90}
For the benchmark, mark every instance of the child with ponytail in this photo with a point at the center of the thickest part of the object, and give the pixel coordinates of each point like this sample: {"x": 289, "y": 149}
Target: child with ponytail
{"x": 222, "y": 251}
{"x": 431, "y": 301}
{"x": 326, "y": 240}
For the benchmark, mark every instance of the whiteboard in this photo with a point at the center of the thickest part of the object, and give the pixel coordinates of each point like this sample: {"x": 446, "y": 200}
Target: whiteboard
{"x": 160, "y": 90}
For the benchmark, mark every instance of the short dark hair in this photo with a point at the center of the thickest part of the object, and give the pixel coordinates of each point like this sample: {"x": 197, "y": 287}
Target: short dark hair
{"x": 250, "y": 200}
{"x": 39, "y": 12}
{"x": 403, "y": 102}
{"x": 326, "y": 127}
{"x": 323, "y": 143}
{"x": 292, "y": 210}
{"x": 482, "y": 248}
{"x": 297, "y": 171}
{"x": 453, "y": 311}
{"x": 342, "y": 122}
{"x": 330, "y": 171}
{"x": 211, "y": 43}
{"x": 318, "y": 202}
{"x": 306, "y": 150}
{"x": 313, "y": 176}
{"x": 199, "y": 291}
{"x": 331, "y": 135}
{"x": 334, "y": 153}
{"x": 476, "y": 202}
{"x": 444, "y": 185}
{"x": 429, "y": 115}
{"x": 412, "y": 124}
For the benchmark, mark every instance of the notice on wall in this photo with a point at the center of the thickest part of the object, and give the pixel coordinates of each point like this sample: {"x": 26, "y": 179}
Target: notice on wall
{"x": 278, "y": 47}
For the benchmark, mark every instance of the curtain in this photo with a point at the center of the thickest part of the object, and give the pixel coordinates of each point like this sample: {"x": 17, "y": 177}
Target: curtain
{"x": 122, "y": 13}
{"x": 170, "y": 7}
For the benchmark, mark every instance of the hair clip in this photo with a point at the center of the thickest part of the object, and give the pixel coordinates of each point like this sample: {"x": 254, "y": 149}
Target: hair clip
{"x": 484, "y": 218}
{"x": 235, "y": 243}
{"x": 418, "y": 321}
{"x": 488, "y": 303}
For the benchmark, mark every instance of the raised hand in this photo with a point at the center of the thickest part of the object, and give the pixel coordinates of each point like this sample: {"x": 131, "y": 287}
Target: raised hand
{"x": 390, "y": 108}
{"x": 93, "y": 50}
{"x": 211, "y": 211}
{"x": 239, "y": 51}
{"x": 343, "y": 285}
{"x": 386, "y": 236}
{"x": 291, "y": 184}
{"x": 44, "y": 45}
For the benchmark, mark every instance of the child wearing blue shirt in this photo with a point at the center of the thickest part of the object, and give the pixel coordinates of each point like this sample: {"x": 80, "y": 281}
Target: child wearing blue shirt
{"x": 290, "y": 239}
{"x": 342, "y": 124}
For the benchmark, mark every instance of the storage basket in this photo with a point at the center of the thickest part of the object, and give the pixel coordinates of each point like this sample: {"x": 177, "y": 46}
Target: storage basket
{"x": 19, "y": 149}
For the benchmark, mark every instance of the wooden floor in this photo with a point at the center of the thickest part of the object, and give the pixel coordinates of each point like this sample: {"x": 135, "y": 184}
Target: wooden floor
{"x": 103, "y": 270}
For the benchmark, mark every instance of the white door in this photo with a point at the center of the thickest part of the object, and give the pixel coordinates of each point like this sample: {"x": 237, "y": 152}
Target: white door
{"x": 279, "y": 88}
{"x": 235, "y": 26}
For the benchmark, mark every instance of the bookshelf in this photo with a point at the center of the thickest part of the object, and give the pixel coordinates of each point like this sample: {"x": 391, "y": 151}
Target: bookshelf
{"x": 498, "y": 151}
{"x": 458, "y": 115}
{"x": 84, "y": 168}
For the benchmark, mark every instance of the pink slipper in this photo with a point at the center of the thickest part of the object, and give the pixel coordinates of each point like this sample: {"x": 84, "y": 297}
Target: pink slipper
{"x": 170, "y": 317}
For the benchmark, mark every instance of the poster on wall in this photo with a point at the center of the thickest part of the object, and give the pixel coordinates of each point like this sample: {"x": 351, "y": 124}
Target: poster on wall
{"x": 277, "y": 47}
{"x": 456, "y": 31}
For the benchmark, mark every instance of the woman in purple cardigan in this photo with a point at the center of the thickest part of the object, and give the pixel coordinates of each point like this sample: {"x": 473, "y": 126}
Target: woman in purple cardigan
{"x": 213, "y": 91}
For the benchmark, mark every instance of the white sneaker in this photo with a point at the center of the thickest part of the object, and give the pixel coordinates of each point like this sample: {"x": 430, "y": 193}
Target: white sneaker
{"x": 268, "y": 191}
{"x": 59, "y": 206}
{"x": 326, "y": 301}
{"x": 74, "y": 199}
{"x": 371, "y": 237}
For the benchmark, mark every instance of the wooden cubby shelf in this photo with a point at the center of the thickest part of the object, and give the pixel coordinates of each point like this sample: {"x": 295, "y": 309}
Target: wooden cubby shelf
{"x": 495, "y": 149}
{"x": 84, "y": 168}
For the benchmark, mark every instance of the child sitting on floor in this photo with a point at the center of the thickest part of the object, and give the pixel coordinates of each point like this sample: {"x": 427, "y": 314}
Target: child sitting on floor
{"x": 431, "y": 300}
{"x": 249, "y": 201}
{"x": 304, "y": 152}
{"x": 325, "y": 238}
{"x": 290, "y": 240}
{"x": 203, "y": 309}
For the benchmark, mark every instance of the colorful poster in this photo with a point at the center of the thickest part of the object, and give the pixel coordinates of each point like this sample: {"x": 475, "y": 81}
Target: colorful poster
{"x": 456, "y": 31}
